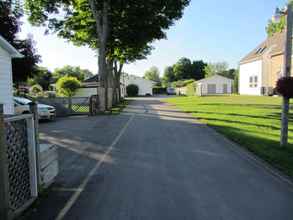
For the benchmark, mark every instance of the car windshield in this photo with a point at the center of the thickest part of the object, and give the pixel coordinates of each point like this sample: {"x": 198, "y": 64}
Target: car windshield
{"x": 22, "y": 101}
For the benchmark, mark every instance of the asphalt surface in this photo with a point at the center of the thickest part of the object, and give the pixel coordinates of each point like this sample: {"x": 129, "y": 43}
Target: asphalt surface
{"x": 153, "y": 162}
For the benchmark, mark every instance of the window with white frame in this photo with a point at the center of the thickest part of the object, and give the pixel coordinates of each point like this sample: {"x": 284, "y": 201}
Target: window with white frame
{"x": 253, "y": 81}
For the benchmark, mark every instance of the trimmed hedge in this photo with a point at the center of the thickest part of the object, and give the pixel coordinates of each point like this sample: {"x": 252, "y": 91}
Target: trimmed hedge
{"x": 132, "y": 90}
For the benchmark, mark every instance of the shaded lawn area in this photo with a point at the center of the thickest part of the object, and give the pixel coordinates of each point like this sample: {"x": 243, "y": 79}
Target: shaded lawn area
{"x": 253, "y": 122}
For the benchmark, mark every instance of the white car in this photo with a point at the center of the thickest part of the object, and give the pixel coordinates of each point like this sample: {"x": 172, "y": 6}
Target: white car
{"x": 44, "y": 111}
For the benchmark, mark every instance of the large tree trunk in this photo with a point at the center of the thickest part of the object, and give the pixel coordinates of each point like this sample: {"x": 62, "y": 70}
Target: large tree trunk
{"x": 102, "y": 27}
{"x": 117, "y": 76}
{"x": 110, "y": 83}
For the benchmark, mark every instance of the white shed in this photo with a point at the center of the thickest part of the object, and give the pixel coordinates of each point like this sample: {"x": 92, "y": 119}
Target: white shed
{"x": 7, "y": 52}
{"x": 145, "y": 87}
{"x": 215, "y": 85}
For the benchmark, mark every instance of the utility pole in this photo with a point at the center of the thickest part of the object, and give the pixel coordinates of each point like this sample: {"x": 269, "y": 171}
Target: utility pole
{"x": 287, "y": 73}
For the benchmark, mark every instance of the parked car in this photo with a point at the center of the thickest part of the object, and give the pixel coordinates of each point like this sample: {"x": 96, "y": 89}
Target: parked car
{"x": 44, "y": 111}
{"x": 171, "y": 91}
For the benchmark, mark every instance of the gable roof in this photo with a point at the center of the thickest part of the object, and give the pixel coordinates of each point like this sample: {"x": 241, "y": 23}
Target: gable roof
{"x": 134, "y": 77}
{"x": 273, "y": 45}
{"x": 9, "y": 48}
{"x": 94, "y": 78}
{"x": 212, "y": 77}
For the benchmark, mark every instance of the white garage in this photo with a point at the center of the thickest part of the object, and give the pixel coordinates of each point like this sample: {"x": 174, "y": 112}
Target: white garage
{"x": 7, "y": 52}
{"x": 145, "y": 87}
{"x": 215, "y": 85}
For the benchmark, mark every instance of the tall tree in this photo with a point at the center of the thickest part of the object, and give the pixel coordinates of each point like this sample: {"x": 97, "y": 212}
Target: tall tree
{"x": 216, "y": 68}
{"x": 198, "y": 70}
{"x": 229, "y": 73}
{"x": 119, "y": 30}
{"x": 183, "y": 69}
{"x": 169, "y": 76}
{"x": 10, "y": 14}
{"x": 153, "y": 74}
{"x": 74, "y": 71}
{"x": 42, "y": 77}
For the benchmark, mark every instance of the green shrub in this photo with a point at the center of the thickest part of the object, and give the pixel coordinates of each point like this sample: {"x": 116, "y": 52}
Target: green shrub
{"x": 67, "y": 86}
{"x": 191, "y": 89}
{"x": 36, "y": 90}
{"x": 132, "y": 90}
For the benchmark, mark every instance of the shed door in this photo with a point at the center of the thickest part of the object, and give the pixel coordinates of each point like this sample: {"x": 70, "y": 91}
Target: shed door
{"x": 212, "y": 89}
{"x": 225, "y": 88}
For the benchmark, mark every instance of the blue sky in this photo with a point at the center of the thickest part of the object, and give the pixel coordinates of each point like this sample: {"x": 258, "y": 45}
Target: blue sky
{"x": 210, "y": 30}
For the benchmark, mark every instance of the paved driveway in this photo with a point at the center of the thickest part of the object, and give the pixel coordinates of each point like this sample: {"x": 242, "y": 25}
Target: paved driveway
{"x": 153, "y": 162}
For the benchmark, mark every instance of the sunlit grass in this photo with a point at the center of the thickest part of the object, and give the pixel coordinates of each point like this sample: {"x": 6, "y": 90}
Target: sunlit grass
{"x": 251, "y": 121}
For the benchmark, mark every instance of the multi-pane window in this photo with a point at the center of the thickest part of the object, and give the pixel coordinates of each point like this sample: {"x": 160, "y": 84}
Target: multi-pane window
{"x": 253, "y": 81}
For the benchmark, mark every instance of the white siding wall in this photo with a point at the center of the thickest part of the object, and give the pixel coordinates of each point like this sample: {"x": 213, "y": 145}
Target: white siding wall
{"x": 202, "y": 87}
{"x": 250, "y": 70}
{"x": 145, "y": 86}
{"x": 85, "y": 92}
{"x": 6, "y": 86}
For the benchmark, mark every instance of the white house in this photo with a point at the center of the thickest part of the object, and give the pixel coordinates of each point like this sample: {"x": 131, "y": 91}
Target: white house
{"x": 88, "y": 87}
{"x": 145, "y": 87}
{"x": 260, "y": 69}
{"x": 7, "y": 52}
{"x": 215, "y": 85}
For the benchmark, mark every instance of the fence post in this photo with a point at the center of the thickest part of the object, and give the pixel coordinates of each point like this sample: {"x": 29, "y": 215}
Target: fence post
{"x": 70, "y": 104}
{"x": 4, "y": 181}
{"x": 34, "y": 110}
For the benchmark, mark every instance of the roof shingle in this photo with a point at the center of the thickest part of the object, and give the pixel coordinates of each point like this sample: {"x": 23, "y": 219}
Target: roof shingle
{"x": 272, "y": 45}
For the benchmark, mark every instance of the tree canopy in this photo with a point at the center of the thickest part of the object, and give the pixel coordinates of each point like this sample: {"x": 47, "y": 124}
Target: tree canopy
{"x": 216, "y": 68}
{"x": 153, "y": 74}
{"x": 120, "y": 30}
{"x": 74, "y": 71}
{"x": 184, "y": 69}
{"x": 67, "y": 86}
{"x": 168, "y": 76}
{"x": 42, "y": 77}
{"x": 22, "y": 68}
{"x": 133, "y": 24}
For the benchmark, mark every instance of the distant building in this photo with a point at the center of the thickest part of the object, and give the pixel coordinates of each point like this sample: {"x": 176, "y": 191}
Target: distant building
{"x": 262, "y": 67}
{"x": 89, "y": 86}
{"x": 215, "y": 85}
{"x": 145, "y": 87}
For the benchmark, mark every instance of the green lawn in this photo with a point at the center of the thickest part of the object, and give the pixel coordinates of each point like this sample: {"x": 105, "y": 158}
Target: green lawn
{"x": 253, "y": 122}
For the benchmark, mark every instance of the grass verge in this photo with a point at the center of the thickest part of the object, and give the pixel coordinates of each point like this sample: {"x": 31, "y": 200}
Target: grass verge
{"x": 253, "y": 122}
